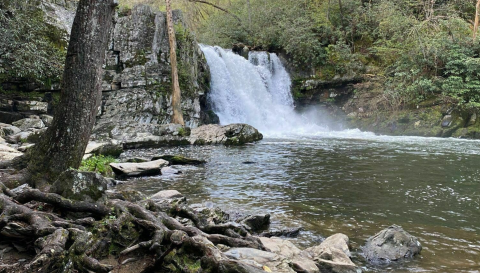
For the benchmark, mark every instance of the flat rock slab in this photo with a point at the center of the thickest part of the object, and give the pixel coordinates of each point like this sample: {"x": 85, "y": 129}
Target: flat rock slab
{"x": 138, "y": 169}
{"x": 113, "y": 148}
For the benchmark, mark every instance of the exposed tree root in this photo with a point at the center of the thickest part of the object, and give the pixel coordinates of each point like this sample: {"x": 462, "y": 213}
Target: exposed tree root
{"x": 122, "y": 228}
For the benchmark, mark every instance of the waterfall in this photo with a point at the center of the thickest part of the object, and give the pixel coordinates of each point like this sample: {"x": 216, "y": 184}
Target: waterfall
{"x": 254, "y": 91}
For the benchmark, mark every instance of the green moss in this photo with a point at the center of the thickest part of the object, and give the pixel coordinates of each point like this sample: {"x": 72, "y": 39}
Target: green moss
{"x": 99, "y": 164}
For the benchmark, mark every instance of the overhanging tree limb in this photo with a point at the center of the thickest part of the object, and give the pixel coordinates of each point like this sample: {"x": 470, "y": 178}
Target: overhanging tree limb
{"x": 217, "y": 7}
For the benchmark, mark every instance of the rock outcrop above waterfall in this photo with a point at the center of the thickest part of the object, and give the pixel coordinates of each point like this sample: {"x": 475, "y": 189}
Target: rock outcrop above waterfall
{"x": 137, "y": 80}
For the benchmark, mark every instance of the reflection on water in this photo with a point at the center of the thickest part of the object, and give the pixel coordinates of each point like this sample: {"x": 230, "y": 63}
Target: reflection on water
{"x": 355, "y": 183}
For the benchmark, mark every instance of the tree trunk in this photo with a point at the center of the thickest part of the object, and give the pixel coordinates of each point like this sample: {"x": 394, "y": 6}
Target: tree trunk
{"x": 177, "y": 116}
{"x": 475, "y": 26}
{"x": 63, "y": 144}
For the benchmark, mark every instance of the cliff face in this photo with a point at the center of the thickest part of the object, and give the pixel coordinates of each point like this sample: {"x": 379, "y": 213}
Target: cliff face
{"x": 137, "y": 80}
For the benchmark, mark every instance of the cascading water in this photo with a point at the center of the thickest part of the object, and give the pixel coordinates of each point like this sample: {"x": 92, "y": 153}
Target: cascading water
{"x": 254, "y": 91}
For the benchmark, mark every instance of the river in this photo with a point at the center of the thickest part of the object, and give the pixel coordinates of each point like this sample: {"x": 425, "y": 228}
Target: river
{"x": 356, "y": 184}
{"x": 329, "y": 181}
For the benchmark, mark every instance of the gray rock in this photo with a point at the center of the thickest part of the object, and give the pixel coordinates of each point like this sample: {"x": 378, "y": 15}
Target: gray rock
{"x": 138, "y": 169}
{"x": 233, "y": 134}
{"x": 137, "y": 72}
{"x": 447, "y": 120}
{"x": 256, "y": 222}
{"x": 111, "y": 148}
{"x": 391, "y": 244}
{"x": 472, "y": 120}
{"x": 25, "y": 147}
{"x": 47, "y": 120}
{"x": 166, "y": 194}
{"x": 2, "y": 140}
{"x": 28, "y": 123}
{"x": 82, "y": 186}
{"x": 280, "y": 246}
{"x": 11, "y": 130}
{"x": 32, "y": 106}
{"x": 19, "y": 137}
{"x": 260, "y": 259}
{"x": 8, "y": 153}
{"x": 332, "y": 255}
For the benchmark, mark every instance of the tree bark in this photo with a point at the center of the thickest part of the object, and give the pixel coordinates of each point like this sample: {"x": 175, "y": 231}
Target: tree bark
{"x": 64, "y": 142}
{"x": 177, "y": 116}
{"x": 475, "y": 26}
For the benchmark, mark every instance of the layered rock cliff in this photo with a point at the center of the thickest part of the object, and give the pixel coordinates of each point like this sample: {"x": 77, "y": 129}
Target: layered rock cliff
{"x": 136, "y": 83}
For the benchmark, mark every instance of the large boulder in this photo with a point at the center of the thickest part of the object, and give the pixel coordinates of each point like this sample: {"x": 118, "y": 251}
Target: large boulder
{"x": 233, "y": 134}
{"x": 138, "y": 169}
{"x": 10, "y": 130}
{"x": 391, "y": 244}
{"x": 81, "y": 186}
{"x": 332, "y": 255}
{"x": 28, "y": 123}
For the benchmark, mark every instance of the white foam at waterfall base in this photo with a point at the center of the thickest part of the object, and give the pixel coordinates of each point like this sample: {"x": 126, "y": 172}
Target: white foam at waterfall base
{"x": 255, "y": 91}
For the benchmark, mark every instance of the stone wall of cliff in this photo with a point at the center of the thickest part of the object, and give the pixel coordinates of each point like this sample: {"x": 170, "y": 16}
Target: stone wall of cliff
{"x": 136, "y": 83}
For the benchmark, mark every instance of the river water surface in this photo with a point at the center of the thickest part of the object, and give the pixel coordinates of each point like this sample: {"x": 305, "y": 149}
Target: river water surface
{"x": 350, "y": 182}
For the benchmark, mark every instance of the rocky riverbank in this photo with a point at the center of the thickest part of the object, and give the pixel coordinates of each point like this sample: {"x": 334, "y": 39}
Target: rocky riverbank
{"x": 110, "y": 230}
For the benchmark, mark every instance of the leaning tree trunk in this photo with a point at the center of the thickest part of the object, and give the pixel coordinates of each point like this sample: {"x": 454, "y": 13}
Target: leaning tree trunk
{"x": 177, "y": 116}
{"x": 475, "y": 26}
{"x": 64, "y": 142}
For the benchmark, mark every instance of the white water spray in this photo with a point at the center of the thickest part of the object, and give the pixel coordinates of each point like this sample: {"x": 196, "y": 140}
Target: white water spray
{"x": 254, "y": 91}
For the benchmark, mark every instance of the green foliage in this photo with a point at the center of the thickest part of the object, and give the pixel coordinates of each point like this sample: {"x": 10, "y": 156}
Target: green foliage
{"x": 99, "y": 164}
{"x": 422, "y": 50}
{"x": 30, "y": 48}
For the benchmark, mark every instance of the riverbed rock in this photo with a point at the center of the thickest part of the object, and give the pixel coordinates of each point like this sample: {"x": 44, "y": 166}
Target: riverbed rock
{"x": 81, "y": 186}
{"x": 138, "y": 169}
{"x": 37, "y": 107}
{"x": 10, "y": 130}
{"x": 179, "y": 160}
{"x": 332, "y": 255}
{"x": 28, "y": 123}
{"x": 47, "y": 119}
{"x": 233, "y": 134}
{"x": 260, "y": 259}
{"x": 8, "y": 153}
{"x": 391, "y": 244}
{"x": 110, "y": 148}
{"x": 256, "y": 222}
{"x": 280, "y": 246}
{"x": 167, "y": 194}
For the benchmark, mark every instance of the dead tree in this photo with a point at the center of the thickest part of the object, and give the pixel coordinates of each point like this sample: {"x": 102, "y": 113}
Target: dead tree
{"x": 177, "y": 116}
